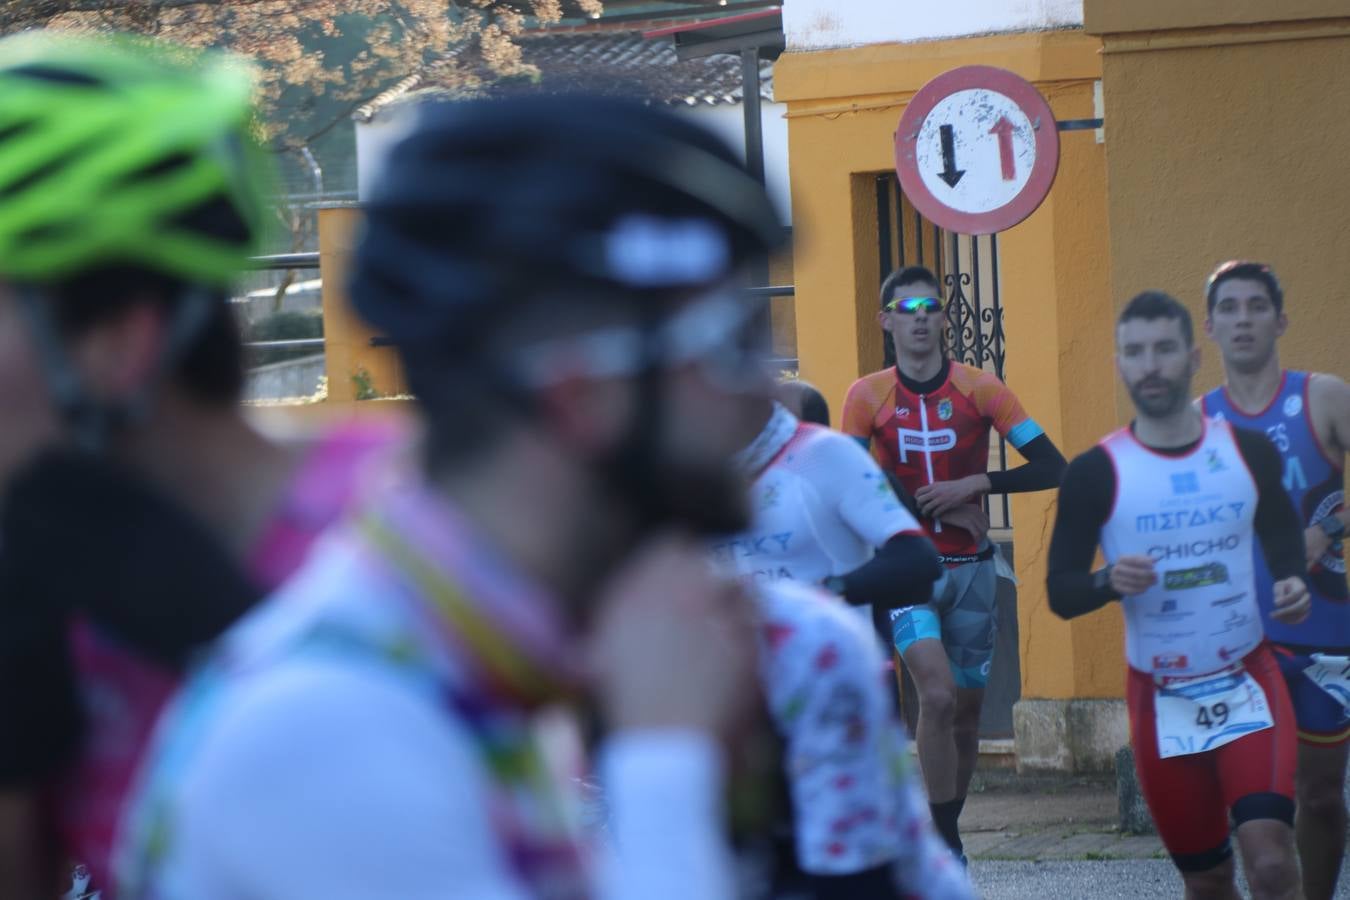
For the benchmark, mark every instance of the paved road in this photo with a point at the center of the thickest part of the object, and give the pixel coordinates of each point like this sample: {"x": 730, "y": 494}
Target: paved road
{"x": 1054, "y": 838}
{"x": 1127, "y": 879}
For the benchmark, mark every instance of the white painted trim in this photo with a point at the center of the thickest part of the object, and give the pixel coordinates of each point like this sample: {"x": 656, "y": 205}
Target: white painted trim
{"x": 824, "y": 24}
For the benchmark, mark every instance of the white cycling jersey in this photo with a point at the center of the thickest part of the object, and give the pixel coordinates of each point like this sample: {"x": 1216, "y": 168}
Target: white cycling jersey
{"x": 821, "y": 507}
{"x": 342, "y": 745}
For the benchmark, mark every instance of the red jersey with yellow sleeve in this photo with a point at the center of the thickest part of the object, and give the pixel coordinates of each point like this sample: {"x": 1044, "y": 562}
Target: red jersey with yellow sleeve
{"x": 942, "y": 435}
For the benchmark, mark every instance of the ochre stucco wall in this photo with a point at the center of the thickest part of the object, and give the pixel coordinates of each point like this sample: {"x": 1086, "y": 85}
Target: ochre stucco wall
{"x": 347, "y": 340}
{"x": 843, "y": 107}
{"x": 1232, "y": 142}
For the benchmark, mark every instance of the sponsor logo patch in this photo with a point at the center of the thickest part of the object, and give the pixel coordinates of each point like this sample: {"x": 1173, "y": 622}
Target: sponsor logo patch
{"x": 1228, "y": 601}
{"x": 1193, "y": 549}
{"x": 1185, "y": 483}
{"x": 1200, "y": 517}
{"x": 912, "y": 441}
{"x": 1200, "y": 576}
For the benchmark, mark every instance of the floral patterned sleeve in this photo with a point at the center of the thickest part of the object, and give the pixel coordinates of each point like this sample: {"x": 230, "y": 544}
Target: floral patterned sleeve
{"x": 857, "y": 800}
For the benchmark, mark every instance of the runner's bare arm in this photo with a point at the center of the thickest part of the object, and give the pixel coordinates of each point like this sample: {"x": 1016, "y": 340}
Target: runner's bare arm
{"x": 1329, "y": 405}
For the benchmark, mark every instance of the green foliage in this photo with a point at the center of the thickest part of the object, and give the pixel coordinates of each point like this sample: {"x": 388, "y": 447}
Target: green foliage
{"x": 365, "y": 385}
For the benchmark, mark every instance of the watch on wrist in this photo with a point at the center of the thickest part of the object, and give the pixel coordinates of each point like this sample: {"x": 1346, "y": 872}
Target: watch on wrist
{"x": 1101, "y": 579}
{"x": 834, "y": 584}
{"x": 1332, "y": 526}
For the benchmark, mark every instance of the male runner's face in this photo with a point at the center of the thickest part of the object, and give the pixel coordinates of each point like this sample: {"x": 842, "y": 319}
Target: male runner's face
{"x": 1244, "y": 324}
{"x": 25, "y": 401}
{"x": 917, "y": 334}
{"x": 1156, "y": 365}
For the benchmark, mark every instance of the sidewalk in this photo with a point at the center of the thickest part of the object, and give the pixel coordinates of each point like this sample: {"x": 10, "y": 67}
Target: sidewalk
{"x": 1048, "y": 817}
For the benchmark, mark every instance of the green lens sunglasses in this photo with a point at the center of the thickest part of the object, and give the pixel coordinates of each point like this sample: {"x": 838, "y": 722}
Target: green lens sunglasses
{"x": 914, "y": 304}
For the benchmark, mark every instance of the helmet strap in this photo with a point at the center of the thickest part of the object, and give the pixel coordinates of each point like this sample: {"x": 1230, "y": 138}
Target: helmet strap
{"x": 634, "y": 469}
{"x": 92, "y": 422}
{"x": 659, "y": 491}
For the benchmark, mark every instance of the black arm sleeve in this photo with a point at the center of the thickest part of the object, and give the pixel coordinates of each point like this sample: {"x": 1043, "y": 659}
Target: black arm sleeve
{"x": 103, "y": 542}
{"x": 900, "y": 574}
{"x": 39, "y": 699}
{"x": 1085, "y": 499}
{"x": 80, "y": 537}
{"x": 1277, "y": 523}
{"x": 871, "y": 884}
{"x": 1042, "y": 470}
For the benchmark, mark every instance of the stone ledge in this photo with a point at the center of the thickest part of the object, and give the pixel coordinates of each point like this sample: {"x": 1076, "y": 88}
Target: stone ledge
{"x": 1069, "y": 735}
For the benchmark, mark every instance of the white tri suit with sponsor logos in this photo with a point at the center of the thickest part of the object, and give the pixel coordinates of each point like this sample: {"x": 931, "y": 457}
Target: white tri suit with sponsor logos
{"x": 821, "y": 507}
{"x": 1193, "y": 516}
{"x": 1210, "y": 719}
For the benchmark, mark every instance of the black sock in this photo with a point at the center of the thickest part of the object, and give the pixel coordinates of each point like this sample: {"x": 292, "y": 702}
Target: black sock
{"x": 945, "y": 816}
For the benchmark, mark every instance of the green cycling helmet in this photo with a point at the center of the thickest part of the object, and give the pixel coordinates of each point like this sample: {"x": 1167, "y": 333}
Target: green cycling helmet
{"x": 117, "y": 152}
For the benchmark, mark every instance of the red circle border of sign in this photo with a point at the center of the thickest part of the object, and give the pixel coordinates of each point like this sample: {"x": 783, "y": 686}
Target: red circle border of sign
{"x": 1033, "y": 193}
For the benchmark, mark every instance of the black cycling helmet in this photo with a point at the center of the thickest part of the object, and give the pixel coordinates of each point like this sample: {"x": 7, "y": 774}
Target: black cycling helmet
{"x": 488, "y": 201}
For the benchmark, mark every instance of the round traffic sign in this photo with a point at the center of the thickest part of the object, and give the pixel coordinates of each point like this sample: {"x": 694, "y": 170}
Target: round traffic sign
{"x": 977, "y": 150}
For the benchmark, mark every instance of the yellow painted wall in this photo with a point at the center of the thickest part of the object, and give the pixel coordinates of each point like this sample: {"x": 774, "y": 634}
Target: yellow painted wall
{"x": 1120, "y": 16}
{"x": 843, "y": 106}
{"x": 347, "y": 349}
{"x": 1232, "y": 142}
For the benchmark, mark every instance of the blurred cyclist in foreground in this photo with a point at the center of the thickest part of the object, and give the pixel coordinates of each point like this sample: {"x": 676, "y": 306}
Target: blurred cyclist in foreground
{"x": 558, "y": 276}
{"x": 142, "y": 514}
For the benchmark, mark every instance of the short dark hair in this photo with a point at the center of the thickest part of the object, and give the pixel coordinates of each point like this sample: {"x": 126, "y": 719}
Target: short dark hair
{"x": 1158, "y": 305}
{"x": 904, "y": 277}
{"x": 814, "y": 407}
{"x": 1245, "y": 270}
{"x": 211, "y": 368}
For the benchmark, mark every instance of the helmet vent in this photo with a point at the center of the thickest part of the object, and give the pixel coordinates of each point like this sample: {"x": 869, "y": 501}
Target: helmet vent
{"x": 50, "y": 167}
{"x": 62, "y": 76}
{"x": 10, "y": 131}
{"x": 159, "y": 167}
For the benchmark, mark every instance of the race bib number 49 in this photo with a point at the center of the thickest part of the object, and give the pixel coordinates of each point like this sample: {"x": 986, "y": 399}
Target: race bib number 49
{"x": 1198, "y": 714}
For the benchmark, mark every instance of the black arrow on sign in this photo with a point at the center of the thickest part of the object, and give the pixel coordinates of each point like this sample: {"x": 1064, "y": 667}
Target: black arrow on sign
{"x": 950, "y": 173}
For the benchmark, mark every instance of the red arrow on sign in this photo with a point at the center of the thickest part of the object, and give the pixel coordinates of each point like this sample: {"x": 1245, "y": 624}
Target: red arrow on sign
{"x": 1004, "y": 129}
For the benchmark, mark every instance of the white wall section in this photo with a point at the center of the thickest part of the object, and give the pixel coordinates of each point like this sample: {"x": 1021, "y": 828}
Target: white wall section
{"x": 822, "y": 24}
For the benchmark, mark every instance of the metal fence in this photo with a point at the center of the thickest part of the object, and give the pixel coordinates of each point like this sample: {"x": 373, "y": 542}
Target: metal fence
{"x": 285, "y": 261}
